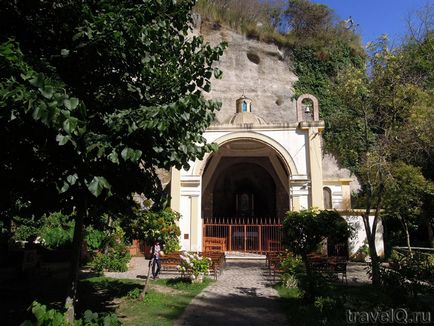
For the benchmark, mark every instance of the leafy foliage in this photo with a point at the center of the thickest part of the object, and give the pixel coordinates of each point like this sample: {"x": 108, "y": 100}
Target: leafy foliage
{"x": 53, "y": 231}
{"x": 94, "y": 96}
{"x": 306, "y": 19}
{"x": 154, "y": 226}
{"x": 116, "y": 260}
{"x": 410, "y": 277}
{"x": 302, "y": 234}
{"x": 193, "y": 264}
{"x": 116, "y": 256}
{"x": 26, "y": 232}
{"x": 46, "y": 316}
{"x": 303, "y": 231}
{"x": 134, "y": 294}
{"x": 292, "y": 267}
{"x": 95, "y": 239}
{"x": 57, "y": 231}
{"x": 406, "y": 190}
{"x": 134, "y": 104}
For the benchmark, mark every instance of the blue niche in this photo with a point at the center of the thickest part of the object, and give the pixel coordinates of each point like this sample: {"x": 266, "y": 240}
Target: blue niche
{"x": 244, "y": 107}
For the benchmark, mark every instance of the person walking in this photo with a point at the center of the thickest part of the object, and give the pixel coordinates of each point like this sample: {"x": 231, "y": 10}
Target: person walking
{"x": 156, "y": 264}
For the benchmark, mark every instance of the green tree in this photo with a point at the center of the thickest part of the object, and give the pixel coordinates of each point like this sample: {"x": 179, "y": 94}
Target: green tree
{"x": 304, "y": 231}
{"x": 416, "y": 140}
{"x": 367, "y": 134}
{"x": 154, "y": 226}
{"x": 93, "y": 97}
{"x": 306, "y": 19}
{"x": 406, "y": 188}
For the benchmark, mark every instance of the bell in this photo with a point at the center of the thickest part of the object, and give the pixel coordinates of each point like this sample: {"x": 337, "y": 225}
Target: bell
{"x": 307, "y": 108}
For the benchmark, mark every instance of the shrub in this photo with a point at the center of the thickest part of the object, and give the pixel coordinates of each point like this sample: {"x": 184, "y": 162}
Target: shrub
{"x": 292, "y": 266}
{"x": 117, "y": 256}
{"x": 311, "y": 285}
{"x": 95, "y": 238}
{"x": 328, "y": 308}
{"x": 134, "y": 294}
{"x": 193, "y": 264}
{"x": 113, "y": 261}
{"x": 171, "y": 245}
{"x": 57, "y": 230}
{"x": 303, "y": 232}
{"x": 46, "y": 316}
{"x": 156, "y": 226}
{"x": 26, "y": 232}
{"x": 410, "y": 279}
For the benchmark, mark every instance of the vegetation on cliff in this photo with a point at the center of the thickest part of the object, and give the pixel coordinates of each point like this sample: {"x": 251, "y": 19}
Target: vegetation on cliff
{"x": 376, "y": 101}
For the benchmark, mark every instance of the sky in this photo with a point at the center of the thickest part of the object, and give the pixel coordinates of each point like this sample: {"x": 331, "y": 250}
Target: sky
{"x": 377, "y": 17}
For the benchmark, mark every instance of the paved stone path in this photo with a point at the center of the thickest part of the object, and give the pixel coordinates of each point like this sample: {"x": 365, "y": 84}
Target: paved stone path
{"x": 356, "y": 272}
{"x": 243, "y": 295}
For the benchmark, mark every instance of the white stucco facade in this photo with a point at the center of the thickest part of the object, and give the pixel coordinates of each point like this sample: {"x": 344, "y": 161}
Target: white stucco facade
{"x": 291, "y": 152}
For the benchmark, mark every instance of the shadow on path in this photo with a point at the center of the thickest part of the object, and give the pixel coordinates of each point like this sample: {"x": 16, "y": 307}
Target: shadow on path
{"x": 242, "y": 296}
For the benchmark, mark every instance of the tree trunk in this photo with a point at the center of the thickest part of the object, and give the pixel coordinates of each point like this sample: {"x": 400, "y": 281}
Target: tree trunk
{"x": 407, "y": 237}
{"x": 371, "y": 232}
{"x": 430, "y": 233}
{"x": 142, "y": 295}
{"x": 370, "y": 236}
{"x": 375, "y": 260}
{"x": 309, "y": 291}
{"x": 109, "y": 223}
{"x": 75, "y": 264}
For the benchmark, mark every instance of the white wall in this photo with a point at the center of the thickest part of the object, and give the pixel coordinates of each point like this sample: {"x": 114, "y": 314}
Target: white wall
{"x": 336, "y": 194}
{"x": 289, "y": 138}
{"x": 360, "y": 234}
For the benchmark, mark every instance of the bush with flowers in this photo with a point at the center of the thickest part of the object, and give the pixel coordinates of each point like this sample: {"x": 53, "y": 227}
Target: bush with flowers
{"x": 193, "y": 265}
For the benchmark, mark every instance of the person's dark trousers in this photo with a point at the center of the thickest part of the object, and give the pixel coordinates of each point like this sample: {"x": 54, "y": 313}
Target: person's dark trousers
{"x": 156, "y": 263}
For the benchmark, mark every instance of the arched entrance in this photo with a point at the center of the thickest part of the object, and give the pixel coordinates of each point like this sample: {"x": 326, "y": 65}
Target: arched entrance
{"x": 245, "y": 195}
{"x": 243, "y": 188}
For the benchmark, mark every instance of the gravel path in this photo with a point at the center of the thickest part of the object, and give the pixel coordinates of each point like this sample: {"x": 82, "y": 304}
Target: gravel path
{"x": 243, "y": 295}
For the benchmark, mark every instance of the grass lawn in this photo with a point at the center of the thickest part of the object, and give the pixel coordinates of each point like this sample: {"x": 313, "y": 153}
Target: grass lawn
{"x": 336, "y": 299}
{"x": 164, "y": 302}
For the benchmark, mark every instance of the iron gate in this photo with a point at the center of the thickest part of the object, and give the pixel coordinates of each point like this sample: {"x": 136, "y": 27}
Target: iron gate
{"x": 253, "y": 235}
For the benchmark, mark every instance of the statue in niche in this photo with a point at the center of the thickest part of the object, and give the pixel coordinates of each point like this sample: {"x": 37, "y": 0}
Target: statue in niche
{"x": 244, "y": 203}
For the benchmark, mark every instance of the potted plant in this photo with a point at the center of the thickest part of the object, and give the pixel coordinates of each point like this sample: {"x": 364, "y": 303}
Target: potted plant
{"x": 194, "y": 266}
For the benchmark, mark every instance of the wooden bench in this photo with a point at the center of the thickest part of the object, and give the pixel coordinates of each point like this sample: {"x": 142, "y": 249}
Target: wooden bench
{"x": 218, "y": 262}
{"x": 338, "y": 265}
{"x": 170, "y": 262}
{"x": 271, "y": 258}
{"x": 329, "y": 265}
{"x": 211, "y": 244}
{"x": 274, "y": 246}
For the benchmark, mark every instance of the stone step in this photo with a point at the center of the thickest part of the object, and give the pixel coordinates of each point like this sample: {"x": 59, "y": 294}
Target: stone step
{"x": 236, "y": 255}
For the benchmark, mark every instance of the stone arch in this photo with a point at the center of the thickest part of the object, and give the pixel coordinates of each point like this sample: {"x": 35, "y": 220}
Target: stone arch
{"x": 286, "y": 158}
{"x": 299, "y": 106}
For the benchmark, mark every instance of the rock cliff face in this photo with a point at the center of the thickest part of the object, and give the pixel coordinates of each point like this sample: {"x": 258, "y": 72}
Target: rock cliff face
{"x": 261, "y": 72}
{"x": 256, "y": 69}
